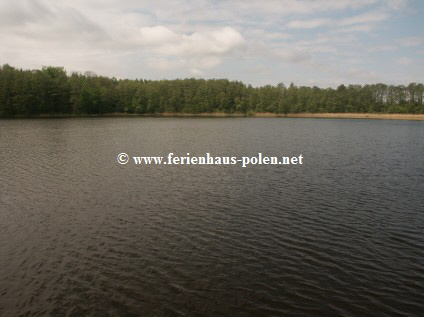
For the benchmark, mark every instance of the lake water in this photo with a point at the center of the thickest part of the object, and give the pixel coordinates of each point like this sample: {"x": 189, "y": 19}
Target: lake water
{"x": 340, "y": 235}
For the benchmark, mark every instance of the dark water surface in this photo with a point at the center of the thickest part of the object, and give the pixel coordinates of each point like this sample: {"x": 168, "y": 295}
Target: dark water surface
{"x": 340, "y": 235}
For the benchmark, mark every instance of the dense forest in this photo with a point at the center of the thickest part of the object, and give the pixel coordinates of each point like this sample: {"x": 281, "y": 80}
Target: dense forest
{"x": 52, "y": 91}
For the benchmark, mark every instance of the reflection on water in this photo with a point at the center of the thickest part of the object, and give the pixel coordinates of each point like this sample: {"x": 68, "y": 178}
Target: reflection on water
{"x": 341, "y": 234}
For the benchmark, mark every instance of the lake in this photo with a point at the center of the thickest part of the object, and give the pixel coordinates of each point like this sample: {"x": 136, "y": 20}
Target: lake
{"x": 340, "y": 235}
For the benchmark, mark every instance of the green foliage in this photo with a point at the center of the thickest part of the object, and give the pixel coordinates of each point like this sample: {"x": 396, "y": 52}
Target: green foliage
{"x": 52, "y": 91}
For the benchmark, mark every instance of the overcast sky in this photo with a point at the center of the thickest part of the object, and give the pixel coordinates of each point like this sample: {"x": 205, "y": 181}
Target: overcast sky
{"x": 308, "y": 42}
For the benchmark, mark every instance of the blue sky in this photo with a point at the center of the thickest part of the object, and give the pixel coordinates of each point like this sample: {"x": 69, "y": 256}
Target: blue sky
{"x": 307, "y": 42}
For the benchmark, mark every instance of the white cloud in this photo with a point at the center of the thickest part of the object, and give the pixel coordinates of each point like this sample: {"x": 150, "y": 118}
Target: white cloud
{"x": 165, "y": 39}
{"x": 357, "y": 28}
{"x": 198, "y": 50}
{"x": 293, "y": 55}
{"x": 383, "y": 48}
{"x": 157, "y": 35}
{"x": 164, "y": 64}
{"x": 405, "y": 61}
{"x": 355, "y": 23}
{"x": 196, "y": 72}
{"x": 259, "y": 69}
{"x": 365, "y": 18}
{"x": 54, "y": 31}
{"x": 396, "y": 4}
{"x": 362, "y": 74}
{"x": 219, "y": 41}
{"x": 412, "y": 41}
{"x": 308, "y": 24}
{"x": 290, "y": 7}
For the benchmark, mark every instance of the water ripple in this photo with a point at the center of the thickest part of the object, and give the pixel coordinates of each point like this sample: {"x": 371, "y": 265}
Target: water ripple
{"x": 339, "y": 236}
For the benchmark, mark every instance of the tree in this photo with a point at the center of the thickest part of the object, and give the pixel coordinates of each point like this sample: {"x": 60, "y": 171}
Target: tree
{"x": 52, "y": 91}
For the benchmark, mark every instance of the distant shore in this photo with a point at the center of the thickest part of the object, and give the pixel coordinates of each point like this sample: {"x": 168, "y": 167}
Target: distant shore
{"x": 383, "y": 116}
{"x": 387, "y": 116}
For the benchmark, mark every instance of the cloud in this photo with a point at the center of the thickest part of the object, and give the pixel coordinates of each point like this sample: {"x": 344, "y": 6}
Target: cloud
{"x": 364, "y": 18}
{"x": 52, "y": 30}
{"x": 308, "y": 24}
{"x": 290, "y": 7}
{"x": 164, "y": 64}
{"x": 293, "y": 55}
{"x": 362, "y": 74}
{"x": 364, "y": 22}
{"x": 393, "y": 45}
{"x": 198, "y": 50}
{"x": 196, "y": 72}
{"x": 157, "y": 35}
{"x": 221, "y": 41}
{"x": 412, "y": 41}
{"x": 166, "y": 39}
{"x": 405, "y": 61}
{"x": 17, "y": 13}
{"x": 260, "y": 69}
{"x": 357, "y": 28}
{"x": 356, "y": 23}
{"x": 47, "y": 24}
{"x": 383, "y": 48}
{"x": 396, "y": 4}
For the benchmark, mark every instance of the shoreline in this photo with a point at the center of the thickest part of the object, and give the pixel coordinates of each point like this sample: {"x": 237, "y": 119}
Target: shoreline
{"x": 354, "y": 115}
{"x": 382, "y": 116}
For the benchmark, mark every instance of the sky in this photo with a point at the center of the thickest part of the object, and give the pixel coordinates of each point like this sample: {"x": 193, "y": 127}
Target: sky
{"x": 306, "y": 42}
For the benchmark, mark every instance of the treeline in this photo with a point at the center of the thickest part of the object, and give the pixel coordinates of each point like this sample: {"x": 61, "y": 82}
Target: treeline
{"x": 52, "y": 91}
